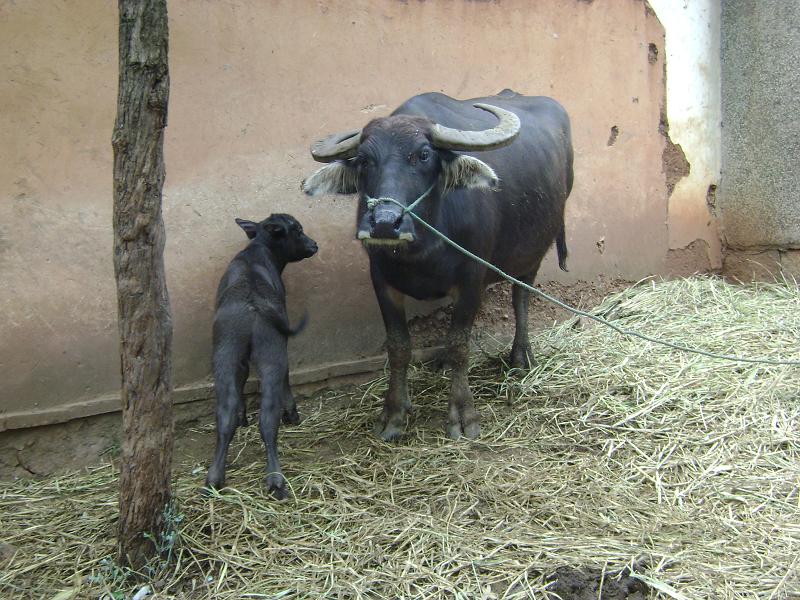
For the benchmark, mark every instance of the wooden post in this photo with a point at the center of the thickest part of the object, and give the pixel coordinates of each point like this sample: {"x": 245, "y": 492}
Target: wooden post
{"x": 145, "y": 324}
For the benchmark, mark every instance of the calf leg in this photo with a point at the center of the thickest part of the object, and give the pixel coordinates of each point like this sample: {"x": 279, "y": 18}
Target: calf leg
{"x": 269, "y": 419}
{"x": 462, "y": 418}
{"x": 229, "y": 402}
{"x": 242, "y": 372}
{"x": 269, "y": 358}
{"x": 396, "y": 404}
{"x": 521, "y": 356}
{"x": 290, "y": 415}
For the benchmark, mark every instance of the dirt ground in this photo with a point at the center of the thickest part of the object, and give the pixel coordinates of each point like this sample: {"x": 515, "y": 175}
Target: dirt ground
{"x": 494, "y": 328}
{"x": 590, "y": 584}
{"x": 555, "y": 489}
{"x": 303, "y": 449}
{"x": 83, "y": 442}
{"x": 195, "y": 444}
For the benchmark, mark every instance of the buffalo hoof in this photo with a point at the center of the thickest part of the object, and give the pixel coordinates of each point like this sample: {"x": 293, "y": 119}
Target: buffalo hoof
{"x": 471, "y": 430}
{"x": 276, "y": 484}
{"x": 389, "y": 429}
{"x": 291, "y": 417}
{"x": 521, "y": 358}
{"x": 454, "y": 430}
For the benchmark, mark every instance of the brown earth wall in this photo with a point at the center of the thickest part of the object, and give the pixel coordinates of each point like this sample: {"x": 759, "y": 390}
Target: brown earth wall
{"x": 253, "y": 83}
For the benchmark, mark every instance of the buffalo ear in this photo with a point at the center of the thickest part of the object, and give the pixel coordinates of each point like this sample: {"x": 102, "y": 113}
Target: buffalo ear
{"x": 249, "y": 227}
{"x": 467, "y": 172}
{"x": 339, "y": 177}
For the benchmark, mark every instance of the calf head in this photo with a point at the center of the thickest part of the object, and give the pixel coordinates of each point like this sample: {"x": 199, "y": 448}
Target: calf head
{"x": 397, "y": 160}
{"x": 283, "y": 235}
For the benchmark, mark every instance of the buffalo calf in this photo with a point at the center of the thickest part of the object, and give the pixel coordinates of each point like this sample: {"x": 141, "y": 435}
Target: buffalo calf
{"x": 251, "y": 326}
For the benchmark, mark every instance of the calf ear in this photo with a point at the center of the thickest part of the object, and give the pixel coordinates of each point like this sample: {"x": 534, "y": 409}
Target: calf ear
{"x": 249, "y": 227}
{"x": 467, "y": 172}
{"x": 335, "y": 178}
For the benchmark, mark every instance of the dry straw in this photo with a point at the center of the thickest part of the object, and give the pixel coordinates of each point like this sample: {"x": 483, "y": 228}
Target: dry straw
{"x": 610, "y": 452}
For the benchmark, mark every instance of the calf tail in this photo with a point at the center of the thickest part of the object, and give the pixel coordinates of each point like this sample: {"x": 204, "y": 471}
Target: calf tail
{"x": 277, "y": 318}
{"x": 283, "y": 326}
{"x": 561, "y": 248}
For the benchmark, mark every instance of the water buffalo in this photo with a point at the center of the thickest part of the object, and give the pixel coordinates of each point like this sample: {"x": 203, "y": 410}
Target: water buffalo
{"x": 506, "y": 207}
{"x": 250, "y": 324}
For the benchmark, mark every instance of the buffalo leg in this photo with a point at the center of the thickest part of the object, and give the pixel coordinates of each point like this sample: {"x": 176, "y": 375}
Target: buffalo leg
{"x": 521, "y": 356}
{"x": 396, "y": 404}
{"x": 462, "y": 418}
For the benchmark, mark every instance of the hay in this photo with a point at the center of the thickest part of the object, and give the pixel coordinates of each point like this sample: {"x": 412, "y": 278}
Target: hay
{"x": 609, "y": 452}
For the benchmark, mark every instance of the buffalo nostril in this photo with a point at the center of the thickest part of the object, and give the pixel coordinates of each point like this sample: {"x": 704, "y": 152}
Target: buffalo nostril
{"x": 385, "y": 222}
{"x": 384, "y": 229}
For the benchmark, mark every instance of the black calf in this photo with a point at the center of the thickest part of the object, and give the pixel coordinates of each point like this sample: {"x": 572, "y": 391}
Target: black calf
{"x": 251, "y": 325}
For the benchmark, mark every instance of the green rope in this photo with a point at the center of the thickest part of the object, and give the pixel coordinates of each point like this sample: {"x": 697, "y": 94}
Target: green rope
{"x": 557, "y": 302}
{"x": 373, "y": 202}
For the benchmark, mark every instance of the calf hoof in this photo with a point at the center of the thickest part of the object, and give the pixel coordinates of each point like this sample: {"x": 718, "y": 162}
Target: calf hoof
{"x": 215, "y": 482}
{"x": 243, "y": 420}
{"x": 276, "y": 484}
{"x": 207, "y": 491}
{"x": 441, "y": 361}
{"x": 291, "y": 417}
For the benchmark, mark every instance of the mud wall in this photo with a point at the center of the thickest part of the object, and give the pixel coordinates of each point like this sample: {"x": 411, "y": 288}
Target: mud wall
{"x": 252, "y": 85}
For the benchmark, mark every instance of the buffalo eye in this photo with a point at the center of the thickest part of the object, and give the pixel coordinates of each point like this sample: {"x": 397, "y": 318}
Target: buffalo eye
{"x": 424, "y": 155}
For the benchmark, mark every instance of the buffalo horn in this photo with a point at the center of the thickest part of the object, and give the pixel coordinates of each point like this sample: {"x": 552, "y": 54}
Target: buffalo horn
{"x": 488, "y": 139}
{"x": 337, "y": 146}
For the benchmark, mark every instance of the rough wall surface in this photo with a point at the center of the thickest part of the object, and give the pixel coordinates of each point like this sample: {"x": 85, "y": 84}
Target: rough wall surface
{"x": 693, "y": 111}
{"x": 253, "y": 84}
{"x": 760, "y": 189}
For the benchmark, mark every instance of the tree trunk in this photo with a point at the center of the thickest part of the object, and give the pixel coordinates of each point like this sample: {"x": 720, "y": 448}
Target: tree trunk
{"x": 145, "y": 324}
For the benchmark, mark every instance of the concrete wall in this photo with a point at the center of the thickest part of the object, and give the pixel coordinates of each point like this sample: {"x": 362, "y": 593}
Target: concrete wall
{"x": 760, "y": 191}
{"x": 693, "y": 112}
{"x": 253, "y": 83}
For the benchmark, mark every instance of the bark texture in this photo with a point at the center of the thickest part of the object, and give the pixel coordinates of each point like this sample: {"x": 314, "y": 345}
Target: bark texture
{"x": 145, "y": 324}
